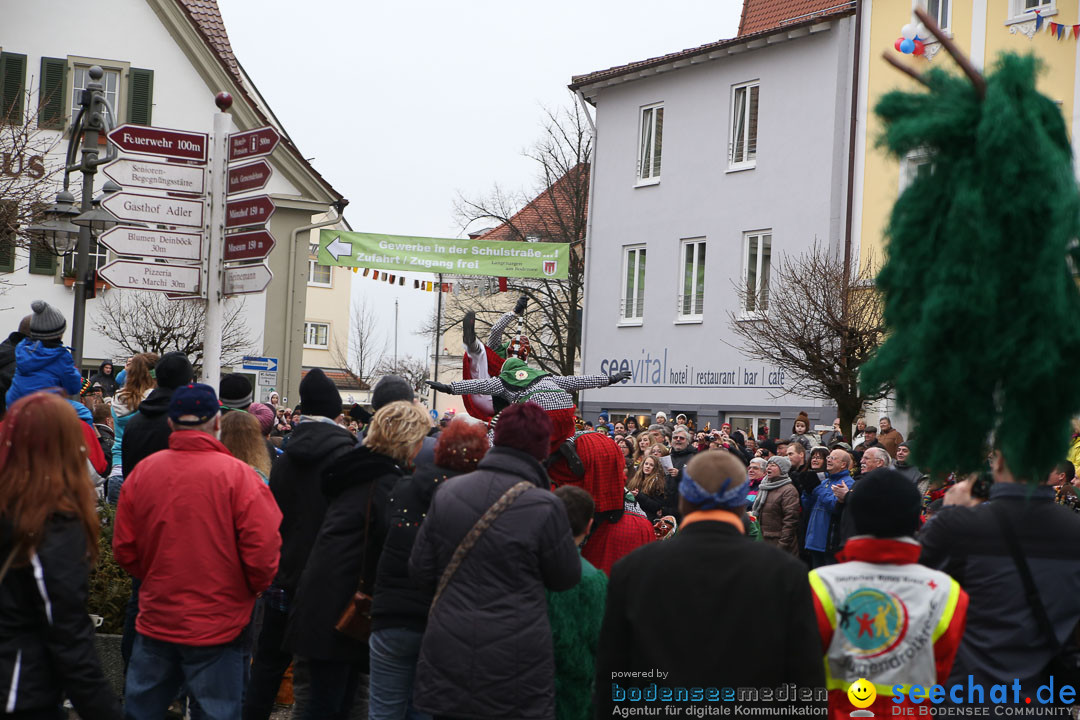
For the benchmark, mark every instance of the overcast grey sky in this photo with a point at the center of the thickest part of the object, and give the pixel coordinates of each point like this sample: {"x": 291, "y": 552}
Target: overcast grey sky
{"x": 402, "y": 105}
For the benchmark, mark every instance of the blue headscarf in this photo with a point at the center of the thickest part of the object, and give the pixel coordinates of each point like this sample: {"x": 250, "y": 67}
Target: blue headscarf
{"x": 727, "y": 497}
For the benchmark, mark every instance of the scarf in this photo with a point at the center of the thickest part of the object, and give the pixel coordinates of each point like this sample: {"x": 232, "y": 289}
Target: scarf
{"x": 763, "y": 491}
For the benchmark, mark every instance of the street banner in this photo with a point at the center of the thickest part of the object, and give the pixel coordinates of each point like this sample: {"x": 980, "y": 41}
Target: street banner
{"x": 540, "y": 260}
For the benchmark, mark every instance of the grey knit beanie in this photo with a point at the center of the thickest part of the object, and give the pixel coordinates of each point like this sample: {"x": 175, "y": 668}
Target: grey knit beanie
{"x": 781, "y": 462}
{"x": 47, "y": 322}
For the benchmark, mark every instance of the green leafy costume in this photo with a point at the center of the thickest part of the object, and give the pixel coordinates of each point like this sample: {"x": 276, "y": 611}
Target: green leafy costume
{"x": 576, "y": 615}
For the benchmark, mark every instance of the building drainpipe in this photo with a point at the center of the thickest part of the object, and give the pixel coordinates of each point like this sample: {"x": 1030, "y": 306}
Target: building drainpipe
{"x": 588, "y": 226}
{"x": 852, "y": 137}
{"x": 286, "y": 363}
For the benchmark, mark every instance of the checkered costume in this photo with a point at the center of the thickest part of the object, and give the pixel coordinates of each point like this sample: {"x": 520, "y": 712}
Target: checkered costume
{"x": 551, "y": 392}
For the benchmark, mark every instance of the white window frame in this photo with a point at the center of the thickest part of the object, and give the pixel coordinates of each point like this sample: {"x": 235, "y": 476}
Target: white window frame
{"x": 1018, "y": 12}
{"x": 755, "y": 421}
{"x": 123, "y": 71}
{"x": 756, "y": 313}
{"x": 311, "y": 341}
{"x": 909, "y": 167}
{"x": 946, "y": 22}
{"x": 312, "y": 282}
{"x": 99, "y": 255}
{"x": 747, "y": 163}
{"x": 650, "y": 178}
{"x": 639, "y": 254}
{"x": 697, "y": 302}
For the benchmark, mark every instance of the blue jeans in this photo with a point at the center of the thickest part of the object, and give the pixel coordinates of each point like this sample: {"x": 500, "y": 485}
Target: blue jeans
{"x": 394, "y": 652}
{"x": 213, "y": 675}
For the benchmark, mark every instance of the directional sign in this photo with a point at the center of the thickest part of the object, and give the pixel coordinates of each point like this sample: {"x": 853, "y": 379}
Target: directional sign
{"x": 135, "y": 173}
{"x": 153, "y": 243}
{"x": 266, "y": 364}
{"x": 249, "y": 211}
{"x": 267, "y": 378}
{"x": 152, "y": 276}
{"x": 253, "y": 143}
{"x": 339, "y": 248}
{"x": 145, "y": 140}
{"x": 155, "y": 210}
{"x": 253, "y": 245}
{"x": 253, "y": 176}
{"x": 243, "y": 279}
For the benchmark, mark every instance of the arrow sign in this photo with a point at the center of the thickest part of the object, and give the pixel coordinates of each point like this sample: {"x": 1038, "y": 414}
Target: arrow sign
{"x": 155, "y": 210}
{"x": 152, "y": 276}
{"x": 248, "y": 245}
{"x": 144, "y": 140}
{"x": 134, "y": 173}
{"x": 338, "y": 248}
{"x": 249, "y": 211}
{"x": 253, "y": 143}
{"x": 265, "y": 364}
{"x": 253, "y": 176}
{"x": 153, "y": 243}
{"x": 245, "y": 279}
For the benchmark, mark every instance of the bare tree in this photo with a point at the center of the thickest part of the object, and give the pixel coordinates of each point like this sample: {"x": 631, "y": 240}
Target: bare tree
{"x": 818, "y": 322}
{"x": 414, "y": 370}
{"x": 556, "y": 211}
{"x": 361, "y": 353}
{"x": 149, "y": 322}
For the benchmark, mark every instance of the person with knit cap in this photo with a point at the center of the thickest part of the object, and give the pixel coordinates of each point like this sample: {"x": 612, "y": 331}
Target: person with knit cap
{"x": 42, "y": 361}
{"x": 777, "y": 507}
{"x": 882, "y": 616}
{"x": 391, "y": 388}
{"x": 701, "y": 585}
{"x": 487, "y": 650}
{"x": 235, "y": 392}
{"x": 265, "y": 415}
{"x": 800, "y": 433}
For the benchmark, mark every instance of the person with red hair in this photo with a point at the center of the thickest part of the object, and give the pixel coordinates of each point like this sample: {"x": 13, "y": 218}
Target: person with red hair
{"x": 400, "y": 608}
{"x": 48, "y": 541}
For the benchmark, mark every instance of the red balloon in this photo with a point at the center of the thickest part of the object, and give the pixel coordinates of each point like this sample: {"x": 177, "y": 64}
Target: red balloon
{"x": 919, "y": 48}
{"x": 897, "y": 44}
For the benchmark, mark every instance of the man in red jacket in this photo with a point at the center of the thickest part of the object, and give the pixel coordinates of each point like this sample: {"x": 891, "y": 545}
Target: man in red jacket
{"x": 200, "y": 530}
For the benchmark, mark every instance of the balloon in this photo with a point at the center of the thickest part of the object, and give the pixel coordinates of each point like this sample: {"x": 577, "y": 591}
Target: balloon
{"x": 907, "y": 47}
{"x": 921, "y": 32}
{"x": 897, "y": 45}
{"x": 919, "y": 48}
{"x": 908, "y": 31}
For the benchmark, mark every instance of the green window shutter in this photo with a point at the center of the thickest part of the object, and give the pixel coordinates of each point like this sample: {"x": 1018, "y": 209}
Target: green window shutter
{"x": 42, "y": 262}
{"x": 12, "y": 87}
{"x": 51, "y": 94}
{"x": 140, "y": 96}
{"x": 9, "y": 219}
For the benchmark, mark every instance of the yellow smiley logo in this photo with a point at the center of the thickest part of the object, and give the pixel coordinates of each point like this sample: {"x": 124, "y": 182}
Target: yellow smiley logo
{"x": 862, "y": 693}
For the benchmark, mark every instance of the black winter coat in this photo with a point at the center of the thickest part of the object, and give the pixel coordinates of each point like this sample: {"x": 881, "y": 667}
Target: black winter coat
{"x": 107, "y": 382}
{"x": 705, "y": 583}
{"x": 147, "y": 431}
{"x": 487, "y": 651}
{"x": 296, "y": 482}
{"x": 7, "y": 365}
{"x": 46, "y": 638}
{"x": 340, "y": 555}
{"x": 398, "y": 601}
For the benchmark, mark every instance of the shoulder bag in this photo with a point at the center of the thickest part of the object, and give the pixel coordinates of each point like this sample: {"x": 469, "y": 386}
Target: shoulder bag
{"x": 474, "y": 534}
{"x": 355, "y": 621}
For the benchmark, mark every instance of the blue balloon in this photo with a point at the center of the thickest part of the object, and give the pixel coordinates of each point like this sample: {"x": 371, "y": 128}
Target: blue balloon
{"x": 907, "y": 47}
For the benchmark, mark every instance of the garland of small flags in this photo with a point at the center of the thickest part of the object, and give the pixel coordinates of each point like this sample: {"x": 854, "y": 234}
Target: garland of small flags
{"x": 482, "y": 285}
{"x": 1058, "y": 30}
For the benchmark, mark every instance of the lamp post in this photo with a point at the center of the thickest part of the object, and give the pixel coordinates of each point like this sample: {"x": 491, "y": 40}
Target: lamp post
{"x": 66, "y": 228}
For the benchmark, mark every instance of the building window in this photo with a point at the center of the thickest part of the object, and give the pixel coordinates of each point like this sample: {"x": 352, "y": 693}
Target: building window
{"x": 99, "y": 255}
{"x": 744, "y": 125}
{"x": 692, "y": 292}
{"x": 917, "y": 164}
{"x": 649, "y": 150}
{"x": 319, "y": 275}
{"x": 940, "y": 10}
{"x": 633, "y": 291}
{"x": 1025, "y": 9}
{"x": 757, "y": 261}
{"x": 754, "y": 426}
{"x": 80, "y": 77}
{"x": 317, "y": 335}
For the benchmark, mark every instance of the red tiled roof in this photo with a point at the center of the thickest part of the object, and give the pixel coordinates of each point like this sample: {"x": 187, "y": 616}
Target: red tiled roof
{"x": 833, "y": 8}
{"x": 206, "y": 17}
{"x": 547, "y": 213}
{"x": 761, "y": 15}
{"x": 341, "y": 379}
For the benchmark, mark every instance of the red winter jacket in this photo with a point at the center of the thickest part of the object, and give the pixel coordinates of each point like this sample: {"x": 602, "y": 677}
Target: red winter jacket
{"x": 200, "y": 529}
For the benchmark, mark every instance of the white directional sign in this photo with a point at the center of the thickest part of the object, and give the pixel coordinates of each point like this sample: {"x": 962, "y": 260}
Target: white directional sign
{"x": 153, "y": 243}
{"x": 267, "y": 378}
{"x": 155, "y": 210}
{"x": 265, "y": 364}
{"x": 152, "y": 276}
{"x": 339, "y": 248}
{"x": 244, "y": 279}
{"x": 133, "y": 173}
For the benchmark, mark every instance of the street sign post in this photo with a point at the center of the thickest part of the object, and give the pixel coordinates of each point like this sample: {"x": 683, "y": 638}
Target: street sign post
{"x": 265, "y": 364}
{"x": 245, "y": 279}
{"x": 144, "y": 140}
{"x": 153, "y": 243}
{"x": 155, "y": 210}
{"x": 253, "y": 245}
{"x": 252, "y": 176}
{"x": 248, "y": 211}
{"x": 267, "y": 378}
{"x": 171, "y": 177}
{"x": 152, "y": 276}
{"x": 253, "y": 143}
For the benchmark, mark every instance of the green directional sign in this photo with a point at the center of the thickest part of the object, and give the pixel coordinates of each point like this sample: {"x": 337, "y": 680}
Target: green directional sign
{"x": 543, "y": 260}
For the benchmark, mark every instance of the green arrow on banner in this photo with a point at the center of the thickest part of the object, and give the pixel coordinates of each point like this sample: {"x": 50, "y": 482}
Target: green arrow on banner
{"x": 542, "y": 260}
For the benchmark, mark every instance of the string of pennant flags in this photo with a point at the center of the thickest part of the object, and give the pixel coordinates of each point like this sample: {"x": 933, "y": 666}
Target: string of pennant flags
{"x": 481, "y": 285}
{"x": 1056, "y": 29}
